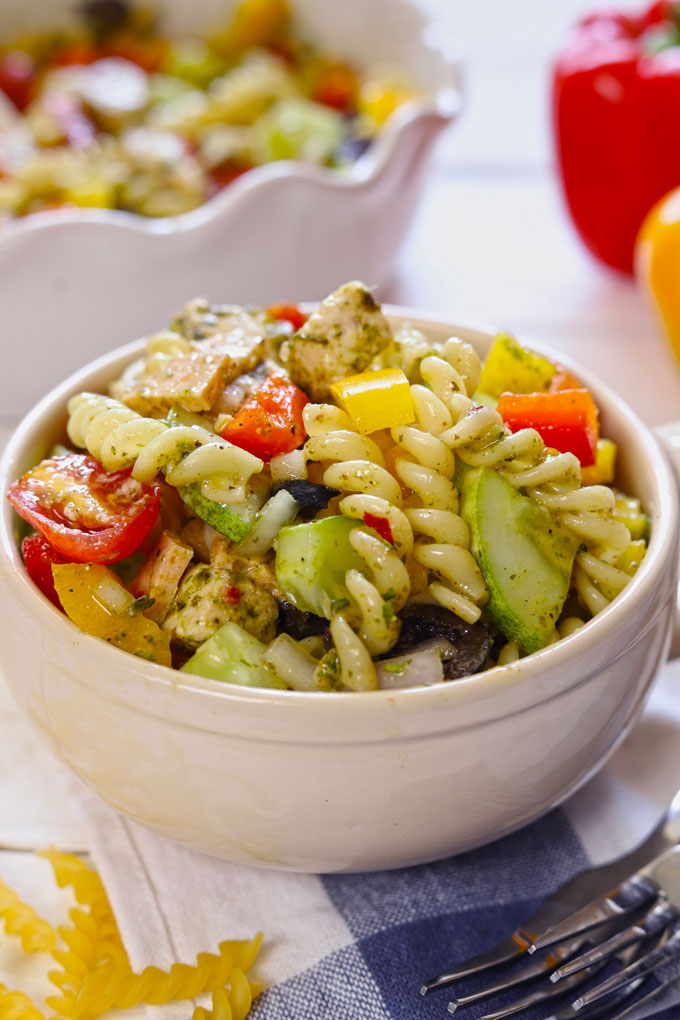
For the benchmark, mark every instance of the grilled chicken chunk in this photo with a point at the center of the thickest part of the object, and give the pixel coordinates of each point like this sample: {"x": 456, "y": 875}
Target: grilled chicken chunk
{"x": 194, "y": 379}
{"x": 339, "y": 339}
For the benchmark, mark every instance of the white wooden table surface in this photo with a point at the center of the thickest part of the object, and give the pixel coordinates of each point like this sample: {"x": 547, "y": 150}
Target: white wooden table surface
{"x": 491, "y": 242}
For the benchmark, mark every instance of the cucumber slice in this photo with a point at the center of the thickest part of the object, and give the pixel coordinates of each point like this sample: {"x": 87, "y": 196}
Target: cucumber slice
{"x": 219, "y": 516}
{"x": 311, "y": 562}
{"x": 233, "y": 656}
{"x": 525, "y": 554}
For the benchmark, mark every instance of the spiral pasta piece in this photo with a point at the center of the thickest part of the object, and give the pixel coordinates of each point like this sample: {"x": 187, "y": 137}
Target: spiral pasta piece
{"x": 119, "y": 438}
{"x": 106, "y": 987}
{"x": 232, "y": 1002}
{"x": 37, "y": 936}
{"x": 443, "y": 543}
{"x": 17, "y": 1006}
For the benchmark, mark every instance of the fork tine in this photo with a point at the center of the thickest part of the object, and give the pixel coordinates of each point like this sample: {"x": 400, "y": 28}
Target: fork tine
{"x": 641, "y": 968}
{"x": 533, "y": 967}
{"x": 660, "y": 917}
{"x": 599, "y": 1009}
{"x": 663, "y": 996}
{"x": 632, "y": 894}
{"x": 538, "y": 996}
{"x": 509, "y": 949}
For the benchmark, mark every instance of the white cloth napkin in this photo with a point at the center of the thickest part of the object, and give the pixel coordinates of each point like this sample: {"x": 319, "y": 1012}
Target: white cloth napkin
{"x": 330, "y": 942}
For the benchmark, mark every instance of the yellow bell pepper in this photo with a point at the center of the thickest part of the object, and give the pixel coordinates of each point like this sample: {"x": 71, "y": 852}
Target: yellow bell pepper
{"x": 254, "y": 23}
{"x": 510, "y": 368}
{"x": 603, "y": 470}
{"x": 377, "y": 99}
{"x": 96, "y": 601}
{"x": 376, "y": 400}
{"x": 632, "y": 557}
{"x": 628, "y": 511}
{"x": 657, "y": 263}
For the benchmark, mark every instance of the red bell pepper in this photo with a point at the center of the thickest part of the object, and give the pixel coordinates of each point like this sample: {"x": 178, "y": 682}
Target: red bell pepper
{"x": 616, "y": 101}
{"x": 270, "y": 422}
{"x": 566, "y": 421}
{"x": 288, "y": 313}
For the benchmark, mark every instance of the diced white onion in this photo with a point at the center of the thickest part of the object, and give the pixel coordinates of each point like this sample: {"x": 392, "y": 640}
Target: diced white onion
{"x": 288, "y": 467}
{"x": 420, "y": 668}
{"x": 291, "y": 663}
{"x": 277, "y": 512}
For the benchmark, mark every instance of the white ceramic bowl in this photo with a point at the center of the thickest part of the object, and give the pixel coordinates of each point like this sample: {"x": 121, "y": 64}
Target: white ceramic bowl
{"x": 320, "y": 782}
{"x": 70, "y": 279}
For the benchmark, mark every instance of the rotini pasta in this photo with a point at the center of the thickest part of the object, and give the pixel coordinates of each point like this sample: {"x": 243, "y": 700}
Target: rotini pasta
{"x": 230, "y": 1002}
{"x": 352, "y": 529}
{"x": 94, "y": 970}
{"x": 119, "y": 437}
{"x": 17, "y": 1006}
{"x": 37, "y": 936}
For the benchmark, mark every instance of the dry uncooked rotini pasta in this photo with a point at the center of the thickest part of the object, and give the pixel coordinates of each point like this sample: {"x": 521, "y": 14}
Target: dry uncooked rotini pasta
{"x": 340, "y": 508}
{"x": 230, "y": 1002}
{"x": 37, "y": 936}
{"x": 95, "y": 974}
{"x": 17, "y": 1006}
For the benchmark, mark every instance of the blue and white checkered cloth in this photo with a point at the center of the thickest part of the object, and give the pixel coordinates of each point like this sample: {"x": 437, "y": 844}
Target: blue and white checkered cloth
{"x": 358, "y": 947}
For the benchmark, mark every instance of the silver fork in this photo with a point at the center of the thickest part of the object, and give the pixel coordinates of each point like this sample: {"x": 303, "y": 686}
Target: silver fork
{"x": 631, "y": 913}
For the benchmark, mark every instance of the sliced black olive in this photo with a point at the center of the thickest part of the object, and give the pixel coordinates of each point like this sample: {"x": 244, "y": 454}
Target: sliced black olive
{"x": 298, "y": 624}
{"x": 309, "y": 496}
{"x": 351, "y": 150}
{"x": 469, "y": 641}
{"x": 104, "y": 16}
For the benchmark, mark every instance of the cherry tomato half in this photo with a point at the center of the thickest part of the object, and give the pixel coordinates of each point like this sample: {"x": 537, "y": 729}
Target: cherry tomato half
{"x": 87, "y": 514}
{"x": 38, "y": 557}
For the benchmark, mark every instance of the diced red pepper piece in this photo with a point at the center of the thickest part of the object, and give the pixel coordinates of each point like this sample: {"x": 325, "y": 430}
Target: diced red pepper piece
{"x": 38, "y": 557}
{"x": 232, "y": 595}
{"x": 337, "y": 87}
{"x": 222, "y": 176}
{"x": 86, "y": 514}
{"x": 566, "y": 421}
{"x": 288, "y": 313}
{"x": 381, "y": 525}
{"x": 270, "y": 422}
{"x": 17, "y": 75}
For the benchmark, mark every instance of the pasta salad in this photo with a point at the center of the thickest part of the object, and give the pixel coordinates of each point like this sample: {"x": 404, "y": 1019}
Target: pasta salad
{"x": 107, "y": 112}
{"x": 325, "y": 503}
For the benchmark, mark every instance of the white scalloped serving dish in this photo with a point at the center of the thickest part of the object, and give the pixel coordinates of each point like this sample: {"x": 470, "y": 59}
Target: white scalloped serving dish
{"x": 77, "y": 283}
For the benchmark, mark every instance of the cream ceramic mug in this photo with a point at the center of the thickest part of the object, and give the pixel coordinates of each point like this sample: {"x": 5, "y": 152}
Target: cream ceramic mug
{"x": 342, "y": 782}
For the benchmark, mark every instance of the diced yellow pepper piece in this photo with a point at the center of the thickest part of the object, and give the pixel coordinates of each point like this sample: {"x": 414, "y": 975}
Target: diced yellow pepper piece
{"x": 632, "y": 557}
{"x": 378, "y": 99}
{"x": 376, "y": 400}
{"x": 91, "y": 192}
{"x": 511, "y": 368}
{"x": 254, "y": 23}
{"x": 629, "y": 512}
{"x": 602, "y": 471}
{"x": 96, "y": 601}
